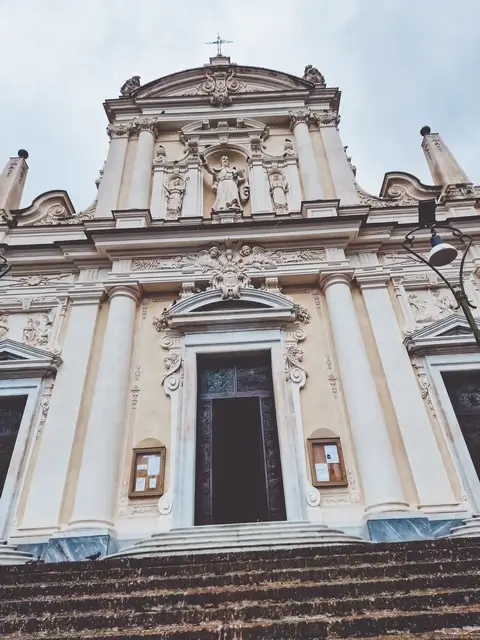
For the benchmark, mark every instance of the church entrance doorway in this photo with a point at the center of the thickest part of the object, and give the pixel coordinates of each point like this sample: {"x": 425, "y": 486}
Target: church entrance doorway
{"x": 238, "y": 469}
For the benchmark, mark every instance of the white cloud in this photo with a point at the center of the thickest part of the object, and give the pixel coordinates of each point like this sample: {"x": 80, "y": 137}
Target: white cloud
{"x": 399, "y": 64}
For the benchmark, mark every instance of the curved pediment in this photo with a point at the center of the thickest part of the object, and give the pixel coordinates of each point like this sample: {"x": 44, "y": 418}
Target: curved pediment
{"x": 216, "y": 80}
{"x": 397, "y": 184}
{"x": 52, "y": 208}
{"x": 211, "y": 308}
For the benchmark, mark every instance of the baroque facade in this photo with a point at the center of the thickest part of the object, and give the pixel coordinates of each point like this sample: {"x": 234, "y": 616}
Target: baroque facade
{"x": 231, "y": 256}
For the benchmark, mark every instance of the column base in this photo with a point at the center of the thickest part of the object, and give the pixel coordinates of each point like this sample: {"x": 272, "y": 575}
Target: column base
{"x": 443, "y": 508}
{"x": 387, "y": 507}
{"x": 409, "y": 529}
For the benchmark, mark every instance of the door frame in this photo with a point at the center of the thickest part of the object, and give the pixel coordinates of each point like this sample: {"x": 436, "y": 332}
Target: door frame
{"x": 461, "y": 363}
{"x": 289, "y": 424}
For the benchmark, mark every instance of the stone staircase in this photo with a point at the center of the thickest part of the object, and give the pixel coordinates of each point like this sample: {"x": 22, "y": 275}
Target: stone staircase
{"x": 235, "y": 537}
{"x": 428, "y": 589}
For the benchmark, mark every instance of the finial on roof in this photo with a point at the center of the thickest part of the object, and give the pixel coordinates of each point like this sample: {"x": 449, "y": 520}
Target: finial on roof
{"x": 130, "y": 86}
{"x": 312, "y": 74}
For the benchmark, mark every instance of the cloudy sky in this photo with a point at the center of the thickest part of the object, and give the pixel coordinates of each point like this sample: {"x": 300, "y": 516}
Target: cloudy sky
{"x": 399, "y": 63}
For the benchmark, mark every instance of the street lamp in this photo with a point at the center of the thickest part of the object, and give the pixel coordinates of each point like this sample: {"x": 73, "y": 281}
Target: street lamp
{"x": 442, "y": 254}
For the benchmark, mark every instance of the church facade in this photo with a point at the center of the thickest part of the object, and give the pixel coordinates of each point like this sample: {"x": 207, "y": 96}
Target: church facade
{"x": 232, "y": 336}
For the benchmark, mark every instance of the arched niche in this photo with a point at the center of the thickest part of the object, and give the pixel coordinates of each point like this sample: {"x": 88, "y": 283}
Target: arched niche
{"x": 237, "y": 156}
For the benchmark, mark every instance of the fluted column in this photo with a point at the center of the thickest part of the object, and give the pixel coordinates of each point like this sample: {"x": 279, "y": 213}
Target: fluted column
{"x": 139, "y": 195}
{"x": 109, "y": 188}
{"x": 341, "y": 172}
{"x": 42, "y": 510}
{"x": 95, "y": 497}
{"x": 381, "y": 482}
{"x": 312, "y": 186}
{"x": 434, "y": 490}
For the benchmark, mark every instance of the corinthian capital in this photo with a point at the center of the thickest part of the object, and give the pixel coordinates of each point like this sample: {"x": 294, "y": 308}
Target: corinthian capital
{"x": 325, "y": 118}
{"x": 145, "y": 124}
{"x": 302, "y": 115}
{"x": 119, "y": 130}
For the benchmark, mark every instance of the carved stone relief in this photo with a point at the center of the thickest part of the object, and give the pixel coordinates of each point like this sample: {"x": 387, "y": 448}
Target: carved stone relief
{"x": 250, "y": 258}
{"x": 332, "y": 378}
{"x": 4, "y": 328}
{"x": 278, "y": 191}
{"x": 397, "y": 197}
{"x": 219, "y": 84}
{"x": 431, "y": 305}
{"x": 326, "y": 118}
{"x": 294, "y": 367}
{"x": 130, "y": 86}
{"x": 36, "y": 332}
{"x": 173, "y": 361}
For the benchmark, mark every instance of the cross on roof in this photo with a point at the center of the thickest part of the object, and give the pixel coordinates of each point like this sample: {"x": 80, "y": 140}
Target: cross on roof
{"x": 219, "y": 41}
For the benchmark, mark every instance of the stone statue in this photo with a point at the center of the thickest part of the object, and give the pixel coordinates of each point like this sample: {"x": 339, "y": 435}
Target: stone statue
{"x": 175, "y": 193}
{"x": 3, "y": 325}
{"x": 229, "y": 186}
{"x": 278, "y": 191}
{"x": 312, "y": 74}
{"x": 130, "y": 85}
{"x": 30, "y": 332}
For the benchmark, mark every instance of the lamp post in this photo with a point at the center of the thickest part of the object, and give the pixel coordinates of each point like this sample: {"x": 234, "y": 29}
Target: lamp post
{"x": 442, "y": 254}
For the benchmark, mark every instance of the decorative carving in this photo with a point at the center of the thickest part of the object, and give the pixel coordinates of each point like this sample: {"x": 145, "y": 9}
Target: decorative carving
{"x": 452, "y": 191}
{"x": 37, "y": 333}
{"x": 36, "y": 281}
{"x": 294, "y": 368}
{"x": 297, "y": 117}
{"x": 143, "y": 510}
{"x": 332, "y": 378}
{"x": 173, "y": 362}
{"x": 160, "y": 155}
{"x": 135, "y": 394}
{"x": 130, "y": 86}
{"x": 256, "y": 146}
{"x": 229, "y": 186}
{"x": 249, "y": 258}
{"x": 312, "y": 74}
{"x": 327, "y": 118}
{"x": 145, "y": 124}
{"x": 165, "y": 505}
{"x": 303, "y": 314}
{"x": 398, "y": 195}
{"x": 119, "y": 130}
{"x": 3, "y": 325}
{"x": 175, "y": 190}
{"x": 424, "y": 382}
{"x": 188, "y": 290}
{"x": 313, "y": 497}
{"x": 219, "y": 84}
{"x": 272, "y": 285}
{"x": 350, "y": 163}
{"x": 288, "y": 148}
{"x": 430, "y": 305}
{"x": 278, "y": 191}
{"x": 161, "y": 322}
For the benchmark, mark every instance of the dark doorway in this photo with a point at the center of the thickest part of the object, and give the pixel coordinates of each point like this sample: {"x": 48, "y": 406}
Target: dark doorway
{"x": 464, "y": 391}
{"x": 11, "y": 412}
{"x": 238, "y": 467}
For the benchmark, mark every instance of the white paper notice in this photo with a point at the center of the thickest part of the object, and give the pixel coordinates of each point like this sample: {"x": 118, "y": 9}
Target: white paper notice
{"x": 142, "y": 467}
{"x": 140, "y": 484}
{"x": 153, "y": 466}
{"x": 331, "y": 453}
{"x": 321, "y": 471}
{"x": 152, "y": 483}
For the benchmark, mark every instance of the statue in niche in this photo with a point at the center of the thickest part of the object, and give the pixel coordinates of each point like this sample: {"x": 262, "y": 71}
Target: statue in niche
{"x": 3, "y": 325}
{"x": 229, "y": 186}
{"x": 278, "y": 191}
{"x": 130, "y": 85}
{"x": 175, "y": 193}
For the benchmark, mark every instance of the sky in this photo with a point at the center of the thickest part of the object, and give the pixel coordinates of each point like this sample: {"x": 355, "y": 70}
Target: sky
{"x": 400, "y": 64}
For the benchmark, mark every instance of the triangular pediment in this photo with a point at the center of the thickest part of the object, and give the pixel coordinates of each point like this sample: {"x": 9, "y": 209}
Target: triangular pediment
{"x": 446, "y": 334}
{"x": 19, "y": 359}
{"x": 204, "y": 81}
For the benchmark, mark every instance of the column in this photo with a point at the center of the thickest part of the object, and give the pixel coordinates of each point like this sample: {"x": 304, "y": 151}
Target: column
{"x": 431, "y": 480}
{"x": 139, "y": 195}
{"x": 260, "y": 196}
{"x": 193, "y": 200}
{"x": 341, "y": 172}
{"x": 109, "y": 187}
{"x": 44, "y": 502}
{"x": 96, "y": 487}
{"x": 312, "y": 187}
{"x": 157, "y": 203}
{"x": 376, "y": 461}
{"x": 294, "y": 195}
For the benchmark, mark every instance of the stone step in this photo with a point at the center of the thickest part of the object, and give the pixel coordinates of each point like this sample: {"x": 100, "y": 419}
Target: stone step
{"x": 146, "y": 599}
{"x": 369, "y": 616}
{"x": 195, "y": 567}
{"x": 334, "y": 579}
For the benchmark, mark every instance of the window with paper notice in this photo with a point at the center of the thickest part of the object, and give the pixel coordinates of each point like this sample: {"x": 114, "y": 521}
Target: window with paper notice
{"x": 326, "y": 462}
{"x": 148, "y": 472}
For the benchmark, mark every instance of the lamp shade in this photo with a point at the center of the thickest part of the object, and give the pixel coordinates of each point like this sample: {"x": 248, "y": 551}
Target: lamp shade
{"x": 441, "y": 252}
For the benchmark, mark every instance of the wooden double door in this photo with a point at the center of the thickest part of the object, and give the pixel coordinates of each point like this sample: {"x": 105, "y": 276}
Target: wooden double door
{"x": 238, "y": 468}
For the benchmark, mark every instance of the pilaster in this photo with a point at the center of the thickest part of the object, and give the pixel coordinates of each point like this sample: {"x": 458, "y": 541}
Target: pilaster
{"x": 139, "y": 195}
{"x": 312, "y": 186}
{"x": 109, "y": 187}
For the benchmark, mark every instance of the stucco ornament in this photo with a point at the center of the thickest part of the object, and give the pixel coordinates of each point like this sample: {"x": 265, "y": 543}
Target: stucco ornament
{"x": 4, "y": 328}
{"x": 175, "y": 190}
{"x": 312, "y": 74}
{"x": 278, "y": 191}
{"x": 130, "y": 85}
{"x": 219, "y": 85}
{"x": 229, "y": 186}
{"x": 36, "y": 333}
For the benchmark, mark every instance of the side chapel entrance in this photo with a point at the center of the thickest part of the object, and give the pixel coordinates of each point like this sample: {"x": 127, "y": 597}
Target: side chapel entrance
{"x": 238, "y": 471}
